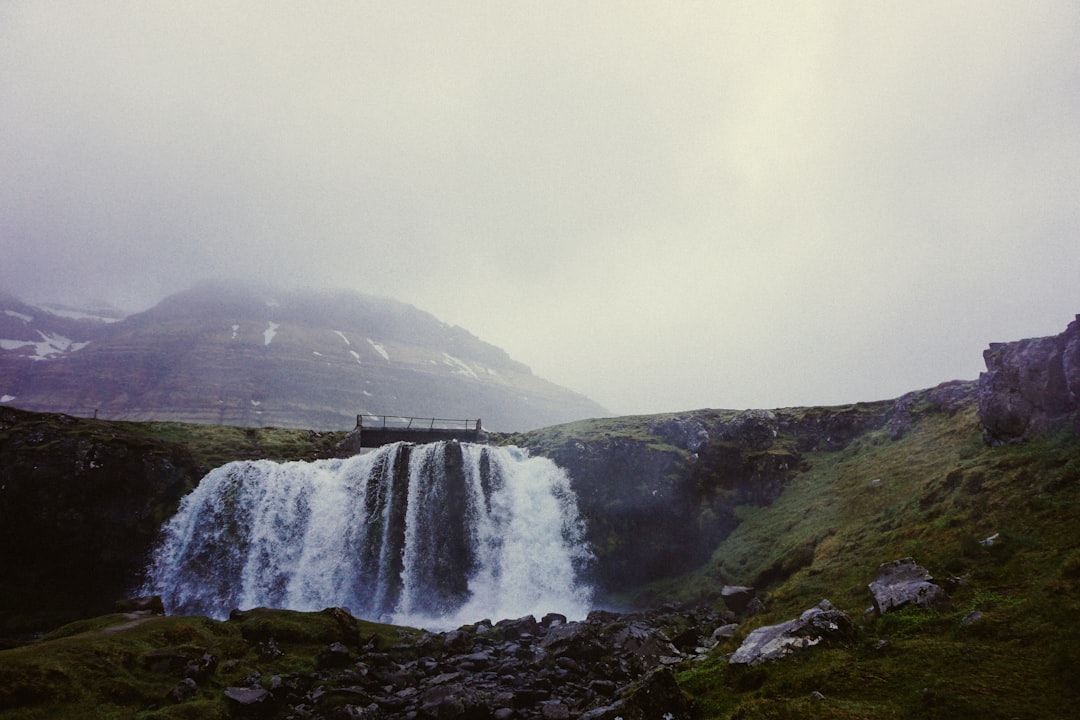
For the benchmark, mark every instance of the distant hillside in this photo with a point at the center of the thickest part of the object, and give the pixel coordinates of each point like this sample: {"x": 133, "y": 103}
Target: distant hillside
{"x": 238, "y": 355}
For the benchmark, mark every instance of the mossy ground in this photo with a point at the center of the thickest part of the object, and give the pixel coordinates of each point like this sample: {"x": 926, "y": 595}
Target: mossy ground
{"x": 935, "y": 495}
{"x": 215, "y": 445}
{"x": 124, "y": 666}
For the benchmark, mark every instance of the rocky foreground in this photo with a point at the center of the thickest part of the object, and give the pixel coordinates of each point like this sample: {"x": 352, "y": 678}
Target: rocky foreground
{"x": 607, "y": 666}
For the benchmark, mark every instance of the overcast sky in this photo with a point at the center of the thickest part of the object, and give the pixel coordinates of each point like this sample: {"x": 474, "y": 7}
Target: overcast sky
{"x": 664, "y": 206}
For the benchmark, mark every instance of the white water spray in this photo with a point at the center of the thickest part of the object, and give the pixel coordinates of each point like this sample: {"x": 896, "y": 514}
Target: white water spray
{"x": 428, "y": 535}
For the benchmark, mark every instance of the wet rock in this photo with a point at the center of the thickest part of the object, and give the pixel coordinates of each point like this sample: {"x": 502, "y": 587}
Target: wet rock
{"x": 902, "y": 582}
{"x": 819, "y": 624}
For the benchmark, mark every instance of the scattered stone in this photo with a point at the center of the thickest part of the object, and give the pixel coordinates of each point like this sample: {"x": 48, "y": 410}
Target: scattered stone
{"x": 184, "y": 691}
{"x": 202, "y": 667}
{"x": 610, "y": 665}
{"x": 971, "y": 617}
{"x": 268, "y": 650}
{"x": 989, "y": 542}
{"x": 902, "y": 582}
{"x": 815, "y": 695}
{"x": 725, "y": 632}
{"x": 772, "y": 642}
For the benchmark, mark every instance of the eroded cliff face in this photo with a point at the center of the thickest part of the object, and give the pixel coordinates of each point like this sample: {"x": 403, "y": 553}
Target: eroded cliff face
{"x": 81, "y": 502}
{"x": 1030, "y": 386}
{"x": 660, "y": 492}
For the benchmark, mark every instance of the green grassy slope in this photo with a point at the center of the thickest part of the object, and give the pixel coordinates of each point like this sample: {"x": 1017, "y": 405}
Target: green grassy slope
{"x": 124, "y": 666}
{"x": 215, "y": 445}
{"x": 934, "y": 495}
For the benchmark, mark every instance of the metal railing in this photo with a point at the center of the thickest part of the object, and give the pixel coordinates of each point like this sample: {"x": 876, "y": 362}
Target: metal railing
{"x": 397, "y": 422}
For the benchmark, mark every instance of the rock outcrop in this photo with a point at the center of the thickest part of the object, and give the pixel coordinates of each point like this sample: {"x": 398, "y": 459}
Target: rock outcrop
{"x": 80, "y": 506}
{"x": 902, "y": 582}
{"x": 821, "y": 623}
{"x": 1030, "y": 386}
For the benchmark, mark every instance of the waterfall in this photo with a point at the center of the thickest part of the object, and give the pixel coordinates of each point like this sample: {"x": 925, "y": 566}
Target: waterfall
{"x": 427, "y": 535}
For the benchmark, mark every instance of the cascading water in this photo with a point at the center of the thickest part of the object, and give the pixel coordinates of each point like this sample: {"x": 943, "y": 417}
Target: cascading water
{"x": 427, "y": 535}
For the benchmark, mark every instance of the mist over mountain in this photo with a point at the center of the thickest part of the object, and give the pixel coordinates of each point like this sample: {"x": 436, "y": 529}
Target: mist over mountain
{"x": 233, "y": 353}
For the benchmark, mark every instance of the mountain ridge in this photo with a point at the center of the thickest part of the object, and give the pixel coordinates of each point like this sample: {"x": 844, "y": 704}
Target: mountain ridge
{"x": 242, "y": 354}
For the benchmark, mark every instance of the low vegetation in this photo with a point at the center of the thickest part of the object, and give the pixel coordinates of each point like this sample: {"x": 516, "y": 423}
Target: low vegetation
{"x": 126, "y": 666}
{"x": 215, "y": 445}
{"x": 996, "y": 526}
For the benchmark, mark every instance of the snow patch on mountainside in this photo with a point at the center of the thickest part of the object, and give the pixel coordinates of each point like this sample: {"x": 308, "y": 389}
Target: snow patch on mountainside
{"x": 21, "y": 316}
{"x": 379, "y": 349}
{"x": 342, "y": 336}
{"x": 460, "y": 368}
{"x": 235, "y": 329}
{"x": 6, "y": 398}
{"x": 269, "y": 333}
{"x": 49, "y": 347}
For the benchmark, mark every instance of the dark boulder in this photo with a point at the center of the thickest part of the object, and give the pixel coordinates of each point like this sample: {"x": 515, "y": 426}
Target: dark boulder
{"x": 737, "y": 597}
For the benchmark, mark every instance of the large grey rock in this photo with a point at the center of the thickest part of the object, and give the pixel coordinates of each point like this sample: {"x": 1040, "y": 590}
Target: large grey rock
{"x": 1030, "y": 386}
{"x": 820, "y": 623}
{"x": 902, "y": 582}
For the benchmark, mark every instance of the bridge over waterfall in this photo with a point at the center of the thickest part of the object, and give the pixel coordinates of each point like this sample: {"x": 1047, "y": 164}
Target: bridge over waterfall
{"x": 378, "y": 430}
